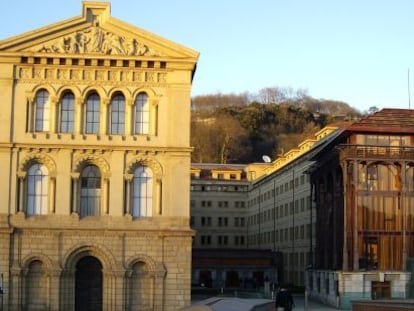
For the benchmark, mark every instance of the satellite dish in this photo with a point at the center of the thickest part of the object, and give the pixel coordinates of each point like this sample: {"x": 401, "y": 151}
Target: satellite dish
{"x": 266, "y": 159}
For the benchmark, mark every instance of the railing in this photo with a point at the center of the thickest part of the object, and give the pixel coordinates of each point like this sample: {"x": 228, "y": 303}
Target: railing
{"x": 376, "y": 152}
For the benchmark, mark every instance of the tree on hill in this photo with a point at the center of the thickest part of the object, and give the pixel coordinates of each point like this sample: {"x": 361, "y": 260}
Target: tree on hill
{"x": 229, "y": 129}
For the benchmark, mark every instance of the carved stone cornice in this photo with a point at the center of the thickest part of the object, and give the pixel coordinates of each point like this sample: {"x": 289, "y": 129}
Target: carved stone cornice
{"x": 70, "y": 76}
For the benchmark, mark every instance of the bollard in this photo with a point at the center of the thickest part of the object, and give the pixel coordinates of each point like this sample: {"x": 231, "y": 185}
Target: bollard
{"x": 306, "y": 300}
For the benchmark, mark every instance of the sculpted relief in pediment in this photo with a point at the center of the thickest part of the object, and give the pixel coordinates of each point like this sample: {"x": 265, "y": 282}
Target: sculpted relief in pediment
{"x": 97, "y": 40}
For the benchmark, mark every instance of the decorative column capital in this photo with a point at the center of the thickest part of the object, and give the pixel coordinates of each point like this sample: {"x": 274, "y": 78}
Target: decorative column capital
{"x": 21, "y": 175}
{"x": 75, "y": 175}
{"x": 128, "y": 177}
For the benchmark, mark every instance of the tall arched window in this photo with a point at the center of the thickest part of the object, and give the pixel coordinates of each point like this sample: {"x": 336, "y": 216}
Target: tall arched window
{"x": 90, "y": 191}
{"x": 37, "y": 190}
{"x": 42, "y": 111}
{"x": 142, "y": 192}
{"x": 117, "y": 115}
{"x": 92, "y": 111}
{"x": 141, "y": 114}
{"x": 67, "y": 113}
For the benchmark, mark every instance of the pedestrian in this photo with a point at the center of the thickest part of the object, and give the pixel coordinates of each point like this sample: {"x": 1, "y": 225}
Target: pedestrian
{"x": 284, "y": 299}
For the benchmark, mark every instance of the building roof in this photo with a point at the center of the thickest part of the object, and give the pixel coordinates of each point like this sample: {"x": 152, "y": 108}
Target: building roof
{"x": 385, "y": 121}
{"x": 218, "y": 167}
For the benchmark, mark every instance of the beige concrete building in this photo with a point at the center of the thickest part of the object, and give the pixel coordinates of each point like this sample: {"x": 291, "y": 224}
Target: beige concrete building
{"x": 218, "y": 205}
{"x": 281, "y": 214}
{"x": 271, "y": 213}
{"x": 219, "y": 214}
{"x": 94, "y": 135}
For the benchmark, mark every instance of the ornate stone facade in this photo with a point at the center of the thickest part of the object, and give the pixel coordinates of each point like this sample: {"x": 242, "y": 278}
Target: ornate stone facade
{"x": 94, "y": 136}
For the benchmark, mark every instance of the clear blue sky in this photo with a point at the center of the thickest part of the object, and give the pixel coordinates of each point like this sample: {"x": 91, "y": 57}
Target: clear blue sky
{"x": 356, "y": 51}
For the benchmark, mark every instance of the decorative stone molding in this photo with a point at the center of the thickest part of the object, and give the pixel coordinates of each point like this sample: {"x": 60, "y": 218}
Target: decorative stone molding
{"x": 105, "y": 256}
{"x": 97, "y": 41}
{"x": 72, "y": 77}
{"x": 82, "y": 159}
{"x": 34, "y": 156}
{"x": 147, "y": 161}
{"x": 148, "y": 261}
{"x": 49, "y": 266}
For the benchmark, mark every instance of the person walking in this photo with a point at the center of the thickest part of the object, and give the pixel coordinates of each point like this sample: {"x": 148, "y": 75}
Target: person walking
{"x": 284, "y": 299}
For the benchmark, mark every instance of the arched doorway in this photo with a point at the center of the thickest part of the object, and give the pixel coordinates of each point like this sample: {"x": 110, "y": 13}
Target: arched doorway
{"x": 88, "y": 284}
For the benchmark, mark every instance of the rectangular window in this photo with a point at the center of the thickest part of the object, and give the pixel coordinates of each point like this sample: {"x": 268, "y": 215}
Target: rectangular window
{"x": 67, "y": 113}
{"x": 117, "y": 114}
{"x": 92, "y": 114}
{"x": 142, "y": 114}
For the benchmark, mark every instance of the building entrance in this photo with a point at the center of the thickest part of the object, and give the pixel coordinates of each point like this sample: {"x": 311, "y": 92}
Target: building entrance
{"x": 88, "y": 284}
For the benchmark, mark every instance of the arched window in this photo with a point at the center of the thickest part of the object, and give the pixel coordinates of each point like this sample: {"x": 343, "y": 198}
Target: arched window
{"x": 37, "y": 190}
{"x": 141, "y": 288}
{"x": 141, "y": 114}
{"x": 117, "y": 115}
{"x": 42, "y": 111}
{"x": 90, "y": 191}
{"x": 92, "y": 111}
{"x": 36, "y": 287}
{"x": 142, "y": 192}
{"x": 67, "y": 113}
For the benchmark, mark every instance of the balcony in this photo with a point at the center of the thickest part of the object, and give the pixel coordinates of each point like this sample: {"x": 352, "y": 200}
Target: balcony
{"x": 349, "y": 152}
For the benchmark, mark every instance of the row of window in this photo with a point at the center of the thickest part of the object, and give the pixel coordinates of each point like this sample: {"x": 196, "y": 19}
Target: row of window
{"x": 220, "y": 188}
{"x": 222, "y": 240}
{"x": 279, "y": 190}
{"x": 280, "y": 211}
{"x": 221, "y": 204}
{"x": 87, "y": 192}
{"x": 282, "y": 235}
{"x": 90, "y": 114}
{"x": 221, "y": 221}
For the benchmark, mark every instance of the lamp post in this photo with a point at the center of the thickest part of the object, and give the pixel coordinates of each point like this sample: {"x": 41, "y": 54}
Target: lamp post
{"x": 1, "y": 292}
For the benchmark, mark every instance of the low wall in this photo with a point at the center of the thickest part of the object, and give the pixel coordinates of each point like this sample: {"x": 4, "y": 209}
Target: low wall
{"x": 340, "y": 288}
{"x": 383, "y": 305}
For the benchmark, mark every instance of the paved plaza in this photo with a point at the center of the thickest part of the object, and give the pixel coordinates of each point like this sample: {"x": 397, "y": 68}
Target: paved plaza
{"x": 247, "y": 304}
{"x": 311, "y": 306}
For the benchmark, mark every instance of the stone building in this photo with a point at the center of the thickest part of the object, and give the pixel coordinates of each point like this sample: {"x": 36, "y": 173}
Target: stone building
{"x": 94, "y": 135}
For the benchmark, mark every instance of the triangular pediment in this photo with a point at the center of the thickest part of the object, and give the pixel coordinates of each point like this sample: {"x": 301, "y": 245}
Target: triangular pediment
{"x": 95, "y": 33}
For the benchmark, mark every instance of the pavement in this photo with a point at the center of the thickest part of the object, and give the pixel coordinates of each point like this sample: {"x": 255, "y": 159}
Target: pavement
{"x": 237, "y": 304}
{"x": 311, "y": 306}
